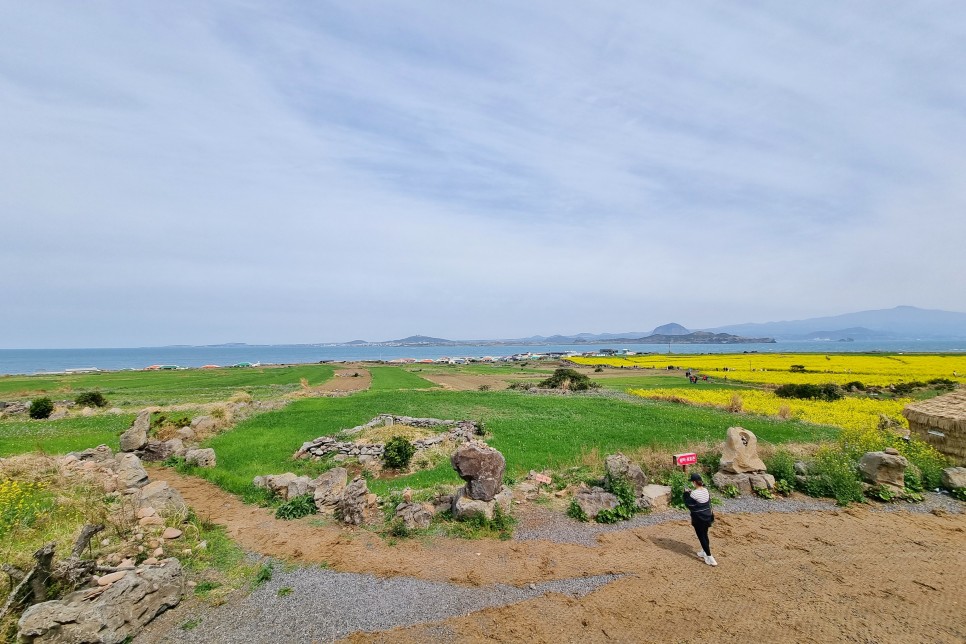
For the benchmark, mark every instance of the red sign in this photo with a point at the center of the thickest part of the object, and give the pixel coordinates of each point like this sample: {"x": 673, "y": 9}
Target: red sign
{"x": 685, "y": 459}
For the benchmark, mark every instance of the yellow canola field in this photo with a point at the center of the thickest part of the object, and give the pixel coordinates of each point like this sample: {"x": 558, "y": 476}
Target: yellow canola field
{"x": 848, "y": 413}
{"x": 774, "y": 368}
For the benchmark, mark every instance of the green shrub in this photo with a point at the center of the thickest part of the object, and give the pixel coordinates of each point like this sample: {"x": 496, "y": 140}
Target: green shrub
{"x": 91, "y": 399}
{"x": 626, "y": 501}
{"x": 678, "y": 481}
{"x": 764, "y": 493}
{"x": 731, "y": 491}
{"x": 925, "y": 457}
{"x": 836, "y": 476}
{"x": 569, "y": 379}
{"x": 913, "y": 478}
{"x": 854, "y": 384}
{"x": 829, "y": 392}
{"x": 398, "y": 452}
{"x": 296, "y": 507}
{"x": 784, "y": 487}
{"x": 574, "y": 511}
{"x": 782, "y": 466}
{"x": 263, "y": 575}
{"x": 41, "y": 408}
{"x": 959, "y": 493}
{"x": 709, "y": 461}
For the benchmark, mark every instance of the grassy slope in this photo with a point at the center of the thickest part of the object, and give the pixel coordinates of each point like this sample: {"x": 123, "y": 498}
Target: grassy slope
{"x": 61, "y": 436}
{"x": 531, "y": 431}
{"x": 166, "y": 387}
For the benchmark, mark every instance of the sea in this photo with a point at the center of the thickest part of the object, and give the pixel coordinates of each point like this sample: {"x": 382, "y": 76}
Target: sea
{"x": 38, "y": 361}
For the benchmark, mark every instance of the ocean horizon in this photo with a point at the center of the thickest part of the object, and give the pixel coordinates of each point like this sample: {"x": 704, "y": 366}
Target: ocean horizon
{"x": 39, "y": 361}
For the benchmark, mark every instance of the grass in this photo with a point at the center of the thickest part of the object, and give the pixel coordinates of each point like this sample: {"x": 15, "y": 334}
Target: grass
{"x": 662, "y": 382}
{"x": 143, "y": 388}
{"x": 21, "y": 435}
{"x": 387, "y": 378}
{"x": 531, "y": 431}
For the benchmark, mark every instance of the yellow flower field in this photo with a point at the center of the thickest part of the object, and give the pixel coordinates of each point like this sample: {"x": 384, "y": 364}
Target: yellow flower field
{"x": 775, "y": 368}
{"x": 848, "y": 413}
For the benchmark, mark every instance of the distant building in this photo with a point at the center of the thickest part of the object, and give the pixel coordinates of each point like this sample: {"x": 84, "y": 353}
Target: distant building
{"x": 941, "y": 422}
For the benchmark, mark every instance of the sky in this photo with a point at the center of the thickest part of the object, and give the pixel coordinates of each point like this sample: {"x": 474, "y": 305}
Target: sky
{"x": 274, "y": 172}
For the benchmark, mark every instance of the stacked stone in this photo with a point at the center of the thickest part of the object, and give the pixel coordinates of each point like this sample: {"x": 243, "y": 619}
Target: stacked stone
{"x": 461, "y": 432}
{"x": 740, "y": 465}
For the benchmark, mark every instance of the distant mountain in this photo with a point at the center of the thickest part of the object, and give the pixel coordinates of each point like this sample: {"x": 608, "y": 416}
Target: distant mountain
{"x": 418, "y": 339}
{"x": 695, "y": 337}
{"x": 357, "y": 342}
{"x": 672, "y": 328}
{"x": 852, "y": 333}
{"x": 901, "y": 322}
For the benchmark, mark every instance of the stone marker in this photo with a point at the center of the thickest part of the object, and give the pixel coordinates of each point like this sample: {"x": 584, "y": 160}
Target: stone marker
{"x": 739, "y": 454}
{"x": 481, "y": 467}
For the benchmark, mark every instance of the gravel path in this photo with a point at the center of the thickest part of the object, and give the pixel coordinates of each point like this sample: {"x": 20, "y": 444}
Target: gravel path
{"x": 324, "y": 605}
{"x": 544, "y": 523}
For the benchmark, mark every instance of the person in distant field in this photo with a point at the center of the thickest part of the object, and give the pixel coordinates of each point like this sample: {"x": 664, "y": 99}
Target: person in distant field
{"x": 698, "y": 501}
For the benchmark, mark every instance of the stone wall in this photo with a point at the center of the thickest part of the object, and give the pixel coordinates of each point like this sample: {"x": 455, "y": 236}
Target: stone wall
{"x": 460, "y": 431}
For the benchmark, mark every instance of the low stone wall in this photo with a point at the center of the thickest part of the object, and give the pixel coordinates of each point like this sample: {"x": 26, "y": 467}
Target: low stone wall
{"x": 460, "y": 431}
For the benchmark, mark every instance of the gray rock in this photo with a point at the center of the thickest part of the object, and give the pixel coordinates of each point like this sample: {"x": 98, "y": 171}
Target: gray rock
{"x": 162, "y": 497}
{"x": 201, "y": 457}
{"x": 130, "y": 472}
{"x": 99, "y": 454}
{"x": 136, "y": 437}
{"x": 465, "y": 506}
{"x": 593, "y": 500}
{"x": 415, "y": 515}
{"x": 203, "y": 424}
{"x": 619, "y": 466}
{"x": 329, "y": 488}
{"x": 187, "y": 434}
{"x": 115, "y": 616}
{"x": 356, "y": 505}
{"x": 655, "y": 497}
{"x": 157, "y": 450}
{"x": 884, "y": 468}
{"x": 482, "y": 468}
{"x": 739, "y": 454}
{"x": 801, "y": 468}
{"x": 954, "y": 478}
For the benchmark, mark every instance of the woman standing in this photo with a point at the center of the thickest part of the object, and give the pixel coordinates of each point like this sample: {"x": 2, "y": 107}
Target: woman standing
{"x": 698, "y": 501}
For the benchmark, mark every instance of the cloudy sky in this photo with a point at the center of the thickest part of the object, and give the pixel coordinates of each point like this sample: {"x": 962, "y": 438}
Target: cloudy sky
{"x": 201, "y": 172}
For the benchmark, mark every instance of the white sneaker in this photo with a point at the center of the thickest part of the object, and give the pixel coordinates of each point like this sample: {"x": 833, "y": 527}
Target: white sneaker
{"x": 701, "y": 554}
{"x": 710, "y": 561}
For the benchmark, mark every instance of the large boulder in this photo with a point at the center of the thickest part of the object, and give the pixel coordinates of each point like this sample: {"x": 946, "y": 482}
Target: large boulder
{"x": 356, "y": 505}
{"x": 593, "y": 500}
{"x": 329, "y": 488}
{"x": 114, "y": 616}
{"x": 739, "y": 454}
{"x": 136, "y": 437}
{"x": 99, "y": 454}
{"x": 203, "y": 424}
{"x": 886, "y": 468}
{"x": 285, "y": 486}
{"x": 619, "y": 466}
{"x": 130, "y": 472}
{"x": 655, "y": 497}
{"x": 201, "y": 457}
{"x": 482, "y": 468}
{"x": 465, "y": 506}
{"x": 162, "y": 497}
{"x": 954, "y": 478}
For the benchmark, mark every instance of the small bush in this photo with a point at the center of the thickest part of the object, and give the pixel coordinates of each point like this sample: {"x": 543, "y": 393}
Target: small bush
{"x": 626, "y": 501}
{"x": 959, "y": 493}
{"x": 764, "y": 493}
{"x": 570, "y": 380}
{"x": 296, "y": 507}
{"x": 263, "y": 575}
{"x": 598, "y": 369}
{"x": 784, "y": 487}
{"x": 398, "y": 452}
{"x": 574, "y": 511}
{"x": 91, "y": 399}
{"x": 835, "y": 476}
{"x": 731, "y": 491}
{"x": 484, "y": 387}
{"x": 913, "y": 478}
{"x": 41, "y": 408}
{"x": 678, "y": 481}
{"x": 782, "y": 466}
{"x": 797, "y": 368}
{"x": 854, "y": 384}
{"x": 709, "y": 461}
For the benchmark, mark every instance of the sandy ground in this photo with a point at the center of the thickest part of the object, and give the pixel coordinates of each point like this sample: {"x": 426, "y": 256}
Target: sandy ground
{"x": 345, "y": 381}
{"x": 849, "y": 575}
{"x": 466, "y": 381}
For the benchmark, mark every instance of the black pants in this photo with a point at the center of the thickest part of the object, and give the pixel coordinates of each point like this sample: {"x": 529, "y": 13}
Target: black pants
{"x": 701, "y": 529}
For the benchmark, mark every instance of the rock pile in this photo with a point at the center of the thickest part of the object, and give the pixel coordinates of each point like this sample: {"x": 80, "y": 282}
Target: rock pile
{"x": 740, "y": 464}
{"x": 649, "y": 496}
{"x": 135, "y": 440}
{"x": 594, "y": 499}
{"x": 123, "y": 473}
{"x": 459, "y": 431}
{"x": 482, "y": 468}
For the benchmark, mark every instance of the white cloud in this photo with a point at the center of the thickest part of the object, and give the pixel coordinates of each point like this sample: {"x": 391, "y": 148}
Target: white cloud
{"x": 290, "y": 172}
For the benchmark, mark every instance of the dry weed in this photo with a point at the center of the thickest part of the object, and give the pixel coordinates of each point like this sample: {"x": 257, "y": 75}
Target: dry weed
{"x": 241, "y": 396}
{"x": 735, "y": 405}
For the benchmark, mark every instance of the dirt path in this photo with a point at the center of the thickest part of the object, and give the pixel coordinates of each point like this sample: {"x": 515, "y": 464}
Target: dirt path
{"x": 466, "y": 381}
{"x": 845, "y": 575}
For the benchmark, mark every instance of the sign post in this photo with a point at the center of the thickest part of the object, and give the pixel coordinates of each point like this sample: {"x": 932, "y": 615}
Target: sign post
{"x": 683, "y": 460}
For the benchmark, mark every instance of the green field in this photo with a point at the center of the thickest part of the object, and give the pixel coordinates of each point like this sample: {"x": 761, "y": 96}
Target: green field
{"x": 661, "y": 382}
{"x": 531, "y": 431}
{"x": 143, "y": 388}
{"x": 61, "y": 436}
{"x": 394, "y": 378}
